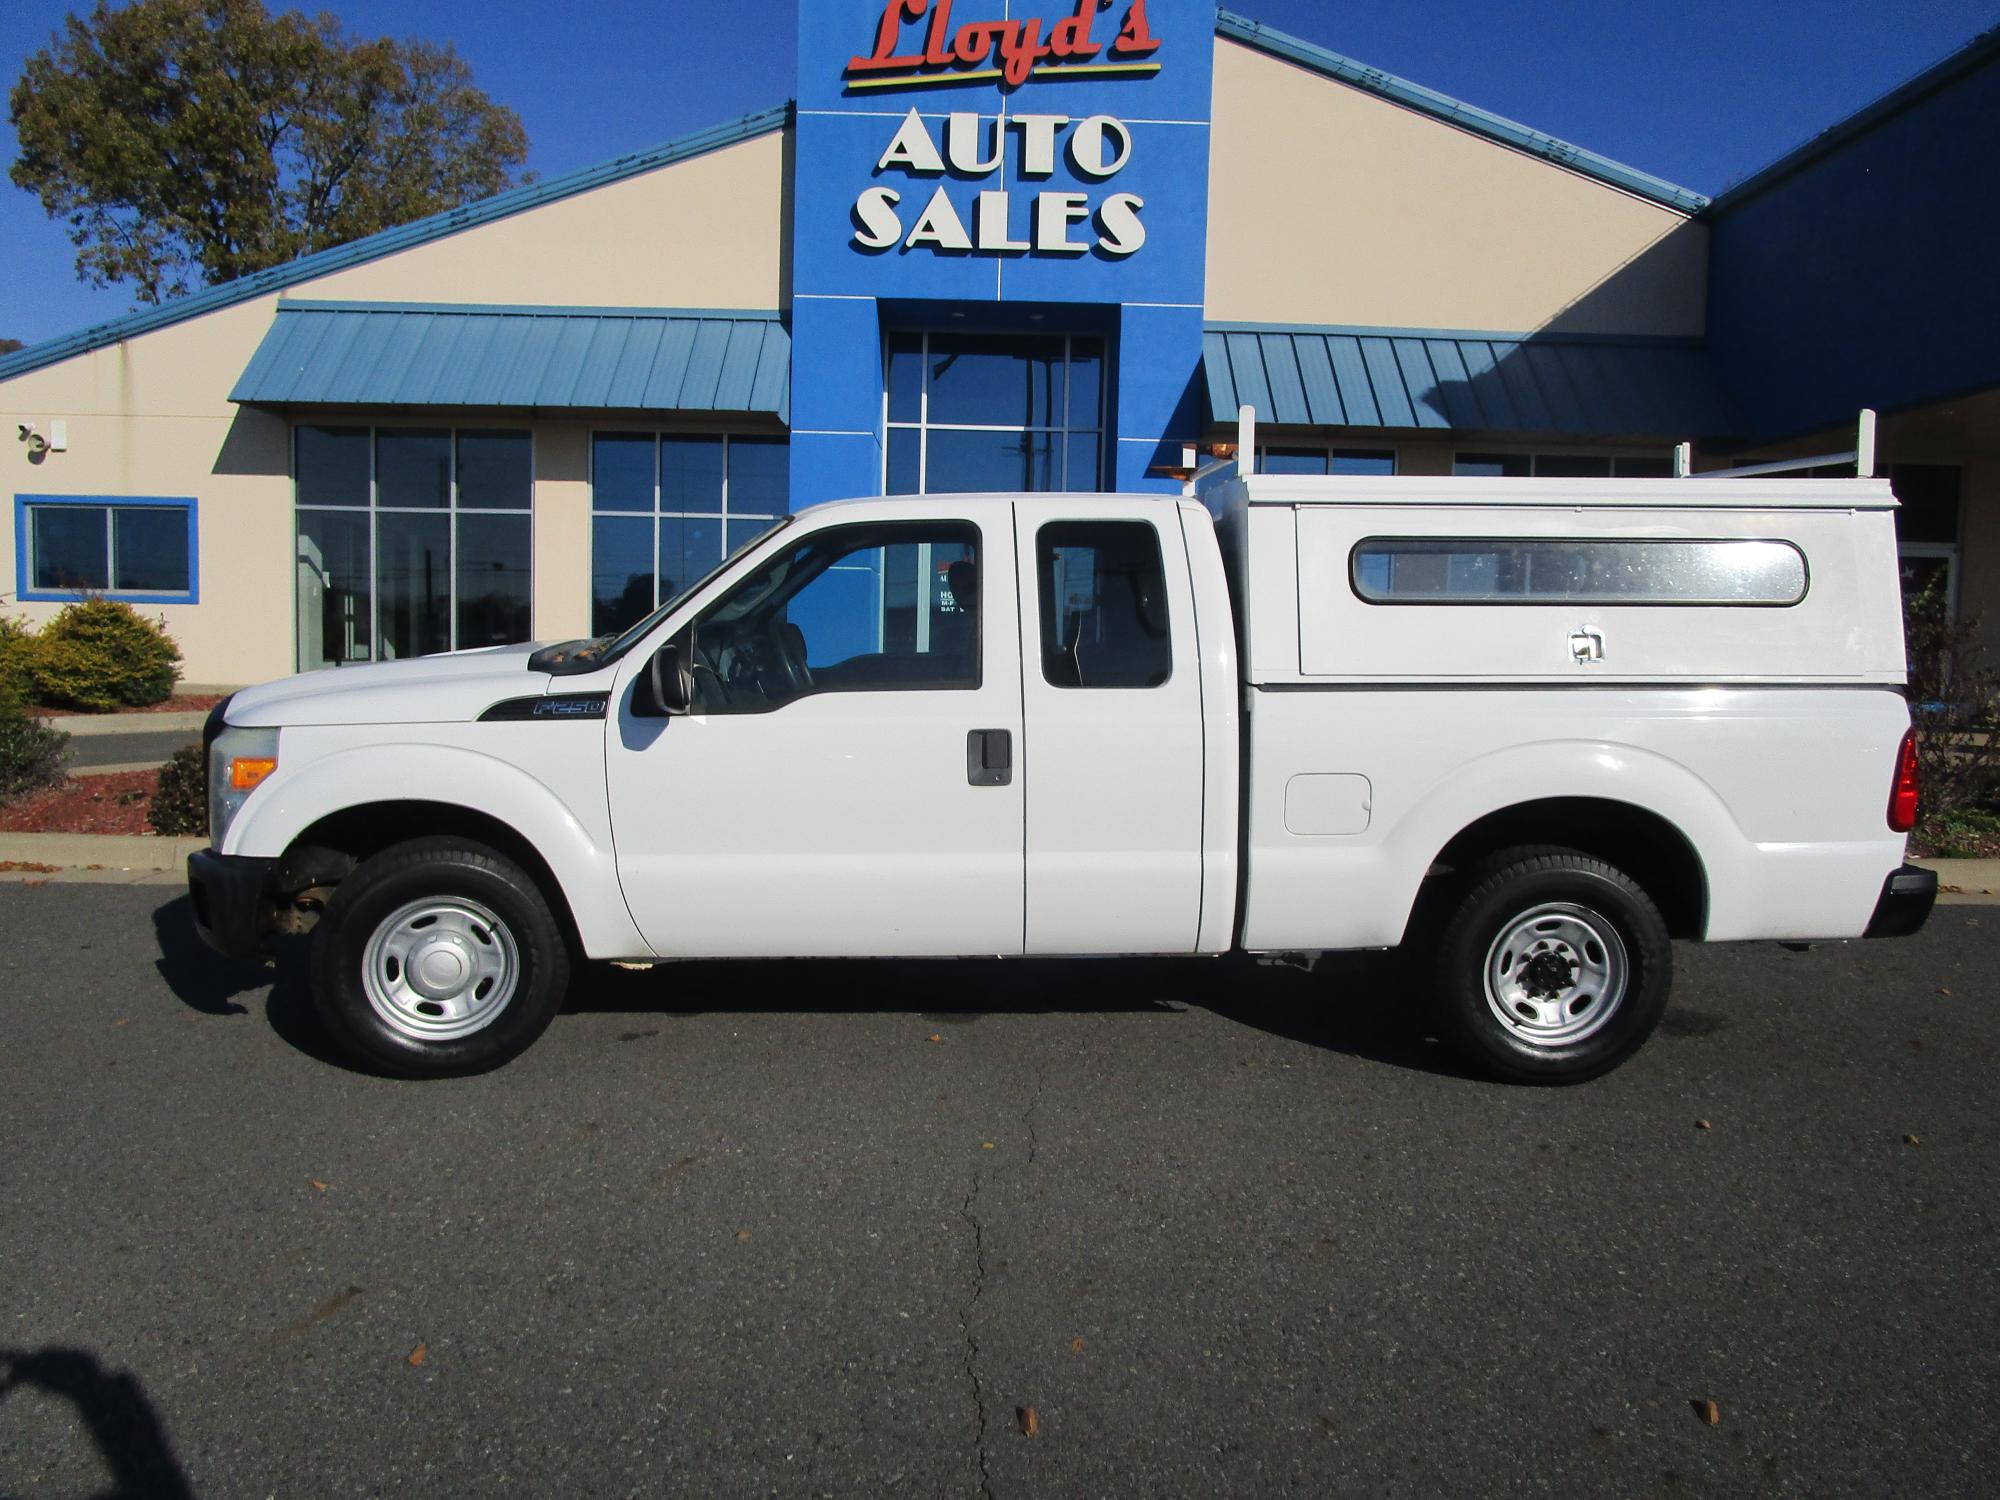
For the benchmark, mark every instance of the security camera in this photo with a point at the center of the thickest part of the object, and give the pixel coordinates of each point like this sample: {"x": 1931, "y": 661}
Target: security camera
{"x": 27, "y": 431}
{"x": 37, "y": 444}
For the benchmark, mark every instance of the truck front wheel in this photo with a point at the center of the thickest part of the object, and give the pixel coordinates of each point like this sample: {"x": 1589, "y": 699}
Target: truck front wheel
{"x": 437, "y": 957}
{"x": 1553, "y": 967}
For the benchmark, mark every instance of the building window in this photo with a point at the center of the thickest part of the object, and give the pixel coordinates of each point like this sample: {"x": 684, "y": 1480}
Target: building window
{"x": 1927, "y": 521}
{"x": 667, "y": 508}
{"x": 137, "y": 548}
{"x": 968, "y": 412}
{"x": 1562, "y": 466}
{"x": 1295, "y": 458}
{"x": 411, "y": 540}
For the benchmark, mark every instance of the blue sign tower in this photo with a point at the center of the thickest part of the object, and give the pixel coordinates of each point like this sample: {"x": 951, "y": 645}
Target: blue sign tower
{"x": 998, "y": 243}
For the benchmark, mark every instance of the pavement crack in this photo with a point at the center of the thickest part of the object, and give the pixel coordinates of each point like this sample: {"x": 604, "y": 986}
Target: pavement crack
{"x": 972, "y": 1344}
{"x": 1028, "y": 1114}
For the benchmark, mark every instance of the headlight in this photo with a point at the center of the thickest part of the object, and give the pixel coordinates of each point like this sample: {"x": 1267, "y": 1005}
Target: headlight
{"x": 238, "y": 763}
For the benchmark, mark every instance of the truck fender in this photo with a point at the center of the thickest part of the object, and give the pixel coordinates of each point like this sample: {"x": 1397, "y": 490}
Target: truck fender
{"x": 346, "y": 779}
{"x": 1596, "y": 769}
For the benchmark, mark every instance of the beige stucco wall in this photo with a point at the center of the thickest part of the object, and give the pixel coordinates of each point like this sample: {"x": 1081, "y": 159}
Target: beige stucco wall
{"x": 1328, "y": 204}
{"x": 151, "y": 416}
{"x": 701, "y": 233}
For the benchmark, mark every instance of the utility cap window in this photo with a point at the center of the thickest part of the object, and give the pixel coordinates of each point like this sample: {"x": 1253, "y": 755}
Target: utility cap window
{"x": 1487, "y": 570}
{"x": 1103, "y": 605}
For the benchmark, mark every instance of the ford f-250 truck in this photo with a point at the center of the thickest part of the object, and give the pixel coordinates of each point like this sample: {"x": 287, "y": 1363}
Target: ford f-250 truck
{"x": 1528, "y": 730}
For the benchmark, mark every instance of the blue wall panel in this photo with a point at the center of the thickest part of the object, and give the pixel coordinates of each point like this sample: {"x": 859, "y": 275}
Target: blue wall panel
{"x": 1149, "y": 299}
{"x": 1863, "y": 275}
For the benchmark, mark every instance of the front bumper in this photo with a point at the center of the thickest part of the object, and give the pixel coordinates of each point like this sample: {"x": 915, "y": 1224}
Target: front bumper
{"x": 1907, "y": 899}
{"x": 227, "y": 893}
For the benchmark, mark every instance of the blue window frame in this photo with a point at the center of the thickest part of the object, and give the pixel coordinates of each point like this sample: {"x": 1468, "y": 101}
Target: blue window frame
{"x": 139, "y": 548}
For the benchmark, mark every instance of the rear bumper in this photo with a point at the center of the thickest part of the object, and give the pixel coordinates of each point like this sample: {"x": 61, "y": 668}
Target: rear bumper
{"x": 227, "y": 893}
{"x": 1907, "y": 899}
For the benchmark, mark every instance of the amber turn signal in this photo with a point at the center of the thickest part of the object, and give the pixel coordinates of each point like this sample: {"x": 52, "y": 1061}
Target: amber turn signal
{"x": 246, "y": 772}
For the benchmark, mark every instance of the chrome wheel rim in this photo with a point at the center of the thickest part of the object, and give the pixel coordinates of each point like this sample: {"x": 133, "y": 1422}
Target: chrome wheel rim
{"x": 1556, "y": 974}
{"x": 439, "y": 969}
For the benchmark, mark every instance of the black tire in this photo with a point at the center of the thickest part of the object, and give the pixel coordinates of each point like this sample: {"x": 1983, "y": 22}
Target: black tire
{"x": 1572, "y": 923}
{"x": 492, "y": 925}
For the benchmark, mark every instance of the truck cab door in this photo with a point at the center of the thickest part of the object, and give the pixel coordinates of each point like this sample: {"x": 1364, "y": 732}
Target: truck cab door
{"x": 844, "y": 782}
{"x": 1112, "y": 705}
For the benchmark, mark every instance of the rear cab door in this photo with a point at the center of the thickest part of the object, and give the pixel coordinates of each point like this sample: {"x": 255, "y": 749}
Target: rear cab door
{"x": 1111, "y": 698}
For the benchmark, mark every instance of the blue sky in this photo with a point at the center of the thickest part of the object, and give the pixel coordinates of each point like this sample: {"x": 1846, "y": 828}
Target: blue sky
{"x": 1700, "y": 92}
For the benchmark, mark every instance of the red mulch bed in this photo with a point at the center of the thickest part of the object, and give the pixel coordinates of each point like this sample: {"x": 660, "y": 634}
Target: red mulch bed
{"x": 85, "y": 804}
{"x": 180, "y": 703}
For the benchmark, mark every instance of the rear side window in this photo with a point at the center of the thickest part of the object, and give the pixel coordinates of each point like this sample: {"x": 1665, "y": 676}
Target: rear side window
{"x": 1103, "y": 605}
{"x": 1494, "y": 570}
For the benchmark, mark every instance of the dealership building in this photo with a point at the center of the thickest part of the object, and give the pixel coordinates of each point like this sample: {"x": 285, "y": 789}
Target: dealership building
{"x": 1046, "y": 251}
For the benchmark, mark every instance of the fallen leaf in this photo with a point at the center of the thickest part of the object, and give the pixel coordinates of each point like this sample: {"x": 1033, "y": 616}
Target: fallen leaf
{"x": 1943, "y": 991}
{"x": 1913, "y": 1140}
{"x": 318, "y": 1184}
{"x": 986, "y": 1146}
{"x": 1709, "y": 1412}
{"x": 419, "y": 1354}
{"x": 126, "y": 1022}
{"x": 1076, "y": 1346}
{"x": 1703, "y": 1125}
{"x": 937, "y": 1036}
{"x": 743, "y": 1234}
{"x": 1030, "y": 1423}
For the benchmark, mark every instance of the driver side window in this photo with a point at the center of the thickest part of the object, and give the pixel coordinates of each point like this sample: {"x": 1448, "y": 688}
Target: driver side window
{"x": 890, "y": 606}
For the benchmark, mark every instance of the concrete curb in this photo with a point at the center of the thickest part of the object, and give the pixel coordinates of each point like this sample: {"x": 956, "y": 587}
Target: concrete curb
{"x": 88, "y": 726}
{"x": 1965, "y": 879}
{"x": 105, "y": 851}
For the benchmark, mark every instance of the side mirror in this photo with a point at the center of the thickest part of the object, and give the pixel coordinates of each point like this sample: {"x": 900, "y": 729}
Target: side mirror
{"x": 671, "y": 680}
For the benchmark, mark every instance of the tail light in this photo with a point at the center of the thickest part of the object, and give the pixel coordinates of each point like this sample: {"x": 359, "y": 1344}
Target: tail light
{"x": 1903, "y": 791}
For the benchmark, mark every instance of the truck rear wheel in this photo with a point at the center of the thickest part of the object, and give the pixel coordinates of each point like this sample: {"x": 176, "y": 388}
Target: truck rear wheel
{"x": 437, "y": 958}
{"x": 1553, "y": 967}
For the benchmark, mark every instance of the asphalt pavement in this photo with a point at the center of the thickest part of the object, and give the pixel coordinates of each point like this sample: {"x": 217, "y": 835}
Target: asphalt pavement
{"x": 807, "y": 1228}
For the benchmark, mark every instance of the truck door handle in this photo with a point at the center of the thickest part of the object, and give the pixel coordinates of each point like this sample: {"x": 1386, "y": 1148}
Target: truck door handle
{"x": 989, "y": 757}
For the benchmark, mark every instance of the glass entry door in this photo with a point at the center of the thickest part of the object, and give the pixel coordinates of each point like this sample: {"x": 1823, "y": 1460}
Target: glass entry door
{"x": 972, "y": 412}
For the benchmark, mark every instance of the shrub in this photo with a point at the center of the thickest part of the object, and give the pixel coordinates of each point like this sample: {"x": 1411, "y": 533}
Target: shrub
{"x": 17, "y": 643}
{"x": 180, "y": 805}
{"x": 1955, "y": 705}
{"x": 100, "y": 654}
{"x": 31, "y": 754}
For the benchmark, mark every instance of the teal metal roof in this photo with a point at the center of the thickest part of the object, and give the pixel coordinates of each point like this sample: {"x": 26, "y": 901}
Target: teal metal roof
{"x": 390, "y": 241}
{"x": 1455, "y": 381}
{"x": 1456, "y": 112}
{"x": 442, "y": 355}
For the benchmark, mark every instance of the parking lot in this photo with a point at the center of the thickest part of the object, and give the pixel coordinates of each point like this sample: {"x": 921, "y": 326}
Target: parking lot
{"x": 808, "y": 1229}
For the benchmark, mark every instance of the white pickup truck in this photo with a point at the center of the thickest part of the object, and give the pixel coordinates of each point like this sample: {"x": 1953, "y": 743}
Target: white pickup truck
{"x": 1528, "y": 730}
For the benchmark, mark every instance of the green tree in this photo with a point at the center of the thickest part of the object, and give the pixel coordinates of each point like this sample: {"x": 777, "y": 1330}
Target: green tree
{"x": 188, "y": 142}
{"x": 8, "y": 346}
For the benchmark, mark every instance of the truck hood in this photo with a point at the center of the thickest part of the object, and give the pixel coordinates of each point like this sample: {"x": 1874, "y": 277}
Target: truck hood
{"x": 444, "y": 689}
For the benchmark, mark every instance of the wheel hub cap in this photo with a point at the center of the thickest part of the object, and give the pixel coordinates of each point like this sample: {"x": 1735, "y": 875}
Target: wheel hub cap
{"x": 441, "y": 968}
{"x": 1556, "y": 974}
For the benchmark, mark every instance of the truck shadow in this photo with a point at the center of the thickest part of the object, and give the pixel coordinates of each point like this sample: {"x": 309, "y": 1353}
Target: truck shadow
{"x": 1352, "y": 1004}
{"x": 1355, "y": 1004}
{"x": 113, "y": 1409}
